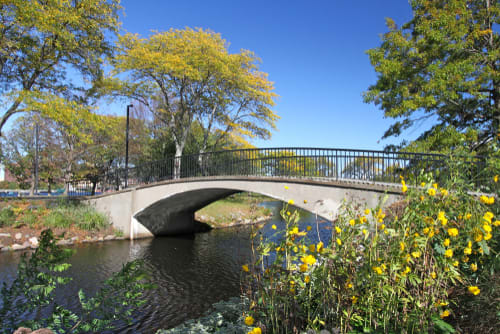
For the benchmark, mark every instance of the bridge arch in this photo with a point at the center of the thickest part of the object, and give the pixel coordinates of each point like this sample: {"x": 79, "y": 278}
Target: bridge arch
{"x": 168, "y": 207}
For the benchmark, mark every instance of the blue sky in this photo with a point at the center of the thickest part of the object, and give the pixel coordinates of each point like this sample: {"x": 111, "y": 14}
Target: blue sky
{"x": 314, "y": 52}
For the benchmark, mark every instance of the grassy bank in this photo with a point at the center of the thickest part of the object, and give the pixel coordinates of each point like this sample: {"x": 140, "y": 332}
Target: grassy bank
{"x": 239, "y": 208}
{"x": 21, "y": 220}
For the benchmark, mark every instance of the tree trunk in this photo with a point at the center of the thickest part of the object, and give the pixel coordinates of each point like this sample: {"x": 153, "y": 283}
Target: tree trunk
{"x": 177, "y": 160}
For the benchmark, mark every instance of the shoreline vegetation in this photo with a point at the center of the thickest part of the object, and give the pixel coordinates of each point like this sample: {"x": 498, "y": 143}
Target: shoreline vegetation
{"x": 237, "y": 209}
{"x": 22, "y": 221}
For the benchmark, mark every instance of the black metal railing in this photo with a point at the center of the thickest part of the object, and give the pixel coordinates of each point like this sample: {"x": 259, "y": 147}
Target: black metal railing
{"x": 310, "y": 163}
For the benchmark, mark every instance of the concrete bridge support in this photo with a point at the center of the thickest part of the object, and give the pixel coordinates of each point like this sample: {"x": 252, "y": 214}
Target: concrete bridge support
{"x": 167, "y": 208}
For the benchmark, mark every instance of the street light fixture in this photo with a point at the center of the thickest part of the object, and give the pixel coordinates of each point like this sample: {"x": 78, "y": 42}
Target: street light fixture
{"x": 126, "y": 145}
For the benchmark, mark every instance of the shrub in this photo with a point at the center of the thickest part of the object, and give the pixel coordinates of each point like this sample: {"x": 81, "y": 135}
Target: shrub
{"x": 421, "y": 271}
{"x": 7, "y": 217}
{"x": 32, "y": 292}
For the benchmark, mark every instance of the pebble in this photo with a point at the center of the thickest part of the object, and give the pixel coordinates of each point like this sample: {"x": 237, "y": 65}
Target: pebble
{"x": 100, "y": 239}
{"x": 109, "y": 237}
{"x": 33, "y": 241}
{"x": 18, "y": 247}
{"x": 5, "y": 235}
{"x": 5, "y": 249}
{"x": 74, "y": 239}
{"x": 64, "y": 242}
{"x": 18, "y": 236}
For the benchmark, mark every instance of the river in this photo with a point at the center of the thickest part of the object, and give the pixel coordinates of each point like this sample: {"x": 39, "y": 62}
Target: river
{"x": 191, "y": 272}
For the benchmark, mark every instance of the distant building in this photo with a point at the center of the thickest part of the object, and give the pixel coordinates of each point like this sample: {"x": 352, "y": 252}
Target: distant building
{"x": 6, "y": 175}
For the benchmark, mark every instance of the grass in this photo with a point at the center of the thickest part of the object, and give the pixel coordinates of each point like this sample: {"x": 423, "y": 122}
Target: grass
{"x": 59, "y": 214}
{"x": 233, "y": 208}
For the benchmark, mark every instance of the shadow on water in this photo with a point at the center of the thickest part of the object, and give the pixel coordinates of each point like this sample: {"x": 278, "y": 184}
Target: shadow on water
{"x": 191, "y": 272}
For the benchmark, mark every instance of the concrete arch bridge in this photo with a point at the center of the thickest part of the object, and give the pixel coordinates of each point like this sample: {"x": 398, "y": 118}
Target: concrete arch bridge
{"x": 161, "y": 197}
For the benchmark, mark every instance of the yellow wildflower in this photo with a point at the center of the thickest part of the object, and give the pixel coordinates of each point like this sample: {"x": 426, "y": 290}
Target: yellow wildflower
{"x": 349, "y": 285}
{"x": 378, "y": 270}
{"x": 496, "y": 223}
{"x": 249, "y": 320}
{"x": 487, "y": 236}
{"x": 453, "y": 232}
{"x": 425, "y": 230}
{"x": 433, "y": 275}
{"x": 467, "y": 251}
{"x": 422, "y": 184}
{"x": 354, "y": 299}
{"x": 446, "y": 242}
{"x": 444, "y": 192}
{"x": 273, "y": 227}
{"x": 448, "y": 253}
{"x": 468, "y": 216}
{"x": 319, "y": 246}
{"x": 382, "y": 227}
{"x": 303, "y": 267}
{"x": 495, "y": 178}
{"x": 337, "y": 229}
{"x": 487, "y": 200}
{"x": 435, "y": 185}
{"x": 245, "y": 268}
{"x": 402, "y": 246}
{"x": 288, "y": 213}
{"x": 286, "y": 188}
{"x": 473, "y": 267}
{"x": 363, "y": 219}
{"x": 444, "y": 314}
{"x": 256, "y": 330}
{"x": 488, "y": 216}
{"x": 406, "y": 271}
{"x": 339, "y": 242}
{"x": 404, "y": 188}
{"x": 364, "y": 231}
{"x": 305, "y": 201}
{"x": 352, "y": 222}
{"x": 367, "y": 211}
{"x": 415, "y": 254}
{"x": 455, "y": 263}
{"x": 487, "y": 228}
{"x": 309, "y": 259}
{"x": 307, "y": 279}
{"x": 312, "y": 248}
{"x": 291, "y": 202}
{"x": 309, "y": 228}
{"x": 431, "y": 191}
{"x": 474, "y": 290}
{"x": 478, "y": 236}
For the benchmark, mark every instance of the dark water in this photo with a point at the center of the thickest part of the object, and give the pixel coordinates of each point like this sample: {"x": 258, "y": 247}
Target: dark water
{"x": 191, "y": 272}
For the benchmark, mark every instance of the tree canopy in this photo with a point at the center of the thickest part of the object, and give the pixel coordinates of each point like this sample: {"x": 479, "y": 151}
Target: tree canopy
{"x": 44, "y": 46}
{"x": 186, "y": 76}
{"x": 442, "y": 64}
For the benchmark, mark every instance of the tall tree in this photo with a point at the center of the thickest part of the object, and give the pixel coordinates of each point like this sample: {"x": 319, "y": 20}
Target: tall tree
{"x": 43, "y": 45}
{"x": 442, "y": 64}
{"x": 187, "y": 75}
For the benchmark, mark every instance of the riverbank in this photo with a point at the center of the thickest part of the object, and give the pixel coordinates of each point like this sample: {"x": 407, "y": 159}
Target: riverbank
{"x": 235, "y": 210}
{"x": 22, "y": 221}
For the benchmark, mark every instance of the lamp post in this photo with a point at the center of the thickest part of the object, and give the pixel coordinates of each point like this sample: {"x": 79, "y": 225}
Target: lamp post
{"x": 126, "y": 146}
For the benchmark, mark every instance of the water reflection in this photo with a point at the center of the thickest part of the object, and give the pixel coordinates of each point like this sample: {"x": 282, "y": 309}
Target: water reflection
{"x": 191, "y": 272}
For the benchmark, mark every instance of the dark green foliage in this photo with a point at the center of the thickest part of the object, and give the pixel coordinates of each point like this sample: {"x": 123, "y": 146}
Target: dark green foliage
{"x": 39, "y": 276}
{"x": 6, "y": 217}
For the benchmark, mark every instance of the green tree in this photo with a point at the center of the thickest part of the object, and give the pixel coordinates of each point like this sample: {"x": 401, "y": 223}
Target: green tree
{"x": 441, "y": 65}
{"x": 32, "y": 292}
{"x": 43, "y": 44}
{"x": 188, "y": 75}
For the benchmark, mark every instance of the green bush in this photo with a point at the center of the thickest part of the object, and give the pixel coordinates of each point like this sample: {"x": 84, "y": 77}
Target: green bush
{"x": 7, "y": 217}
{"x": 40, "y": 275}
{"x": 422, "y": 271}
{"x": 57, "y": 218}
